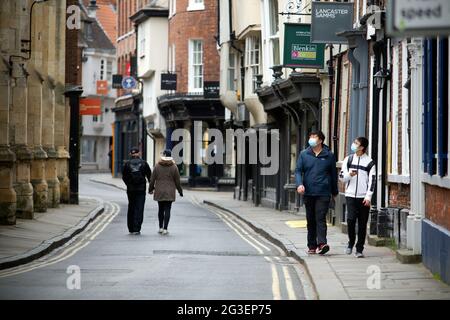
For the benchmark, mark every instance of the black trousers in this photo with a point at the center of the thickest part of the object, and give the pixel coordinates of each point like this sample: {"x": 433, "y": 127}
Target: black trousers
{"x": 135, "y": 215}
{"x": 164, "y": 208}
{"x": 357, "y": 211}
{"x": 316, "y": 222}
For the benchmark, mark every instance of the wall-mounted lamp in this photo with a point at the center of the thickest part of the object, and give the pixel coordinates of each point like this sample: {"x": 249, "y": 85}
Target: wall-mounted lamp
{"x": 26, "y": 43}
{"x": 380, "y": 78}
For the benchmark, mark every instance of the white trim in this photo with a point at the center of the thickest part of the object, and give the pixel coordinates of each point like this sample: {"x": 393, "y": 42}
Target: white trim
{"x": 436, "y": 180}
{"x": 397, "y": 178}
{"x": 405, "y": 111}
{"x": 394, "y": 119}
{"x": 172, "y": 8}
{"x": 436, "y": 226}
{"x": 126, "y": 35}
{"x": 371, "y": 93}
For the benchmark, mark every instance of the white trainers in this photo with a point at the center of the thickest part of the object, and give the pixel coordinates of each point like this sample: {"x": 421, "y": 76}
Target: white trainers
{"x": 164, "y": 232}
{"x": 359, "y": 255}
{"x": 348, "y": 250}
{"x": 161, "y": 230}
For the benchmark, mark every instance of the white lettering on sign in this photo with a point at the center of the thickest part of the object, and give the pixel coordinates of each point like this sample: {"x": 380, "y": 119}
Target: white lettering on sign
{"x": 330, "y": 13}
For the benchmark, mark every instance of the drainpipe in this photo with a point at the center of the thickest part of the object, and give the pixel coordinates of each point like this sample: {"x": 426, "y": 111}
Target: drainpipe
{"x": 384, "y": 133}
{"x": 330, "y": 95}
{"x": 354, "y": 114}
{"x": 337, "y": 102}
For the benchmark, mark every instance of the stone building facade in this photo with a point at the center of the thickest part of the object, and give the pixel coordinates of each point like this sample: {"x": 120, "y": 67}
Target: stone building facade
{"x": 34, "y": 116}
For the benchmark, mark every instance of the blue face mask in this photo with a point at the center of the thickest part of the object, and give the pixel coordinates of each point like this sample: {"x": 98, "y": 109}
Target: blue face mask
{"x": 312, "y": 142}
{"x": 354, "y": 147}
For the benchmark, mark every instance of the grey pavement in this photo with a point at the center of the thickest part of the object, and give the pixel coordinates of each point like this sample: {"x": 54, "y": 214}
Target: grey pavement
{"x": 206, "y": 255}
{"x": 334, "y": 275}
{"x": 30, "y": 239}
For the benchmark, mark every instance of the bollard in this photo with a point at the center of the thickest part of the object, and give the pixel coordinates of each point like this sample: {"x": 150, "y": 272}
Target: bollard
{"x": 373, "y": 221}
{"x": 382, "y": 223}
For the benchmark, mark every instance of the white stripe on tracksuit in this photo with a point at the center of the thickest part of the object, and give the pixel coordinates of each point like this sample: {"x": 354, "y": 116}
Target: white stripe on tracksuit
{"x": 361, "y": 185}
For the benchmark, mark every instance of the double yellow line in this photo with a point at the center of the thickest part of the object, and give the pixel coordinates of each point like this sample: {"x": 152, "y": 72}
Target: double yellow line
{"x": 68, "y": 250}
{"x": 261, "y": 249}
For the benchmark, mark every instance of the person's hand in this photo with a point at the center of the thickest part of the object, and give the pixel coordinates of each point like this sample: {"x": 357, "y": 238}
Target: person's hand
{"x": 366, "y": 202}
{"x": 301, "y": 189}
{"x": 353, "y": 173}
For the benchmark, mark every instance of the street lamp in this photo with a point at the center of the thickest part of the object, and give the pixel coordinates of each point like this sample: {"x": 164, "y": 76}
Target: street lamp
{"x": 380, "y": 78}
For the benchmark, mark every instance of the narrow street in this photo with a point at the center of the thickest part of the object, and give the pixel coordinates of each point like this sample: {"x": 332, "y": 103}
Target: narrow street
{"x": 207, "y": 255}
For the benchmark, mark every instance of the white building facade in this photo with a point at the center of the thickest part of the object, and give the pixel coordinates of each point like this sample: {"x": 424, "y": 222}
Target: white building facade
{"x": 152, "y": 60}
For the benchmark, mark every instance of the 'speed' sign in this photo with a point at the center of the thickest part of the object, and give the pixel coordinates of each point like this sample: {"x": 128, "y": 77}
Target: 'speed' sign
{"x": 418, "y": 17}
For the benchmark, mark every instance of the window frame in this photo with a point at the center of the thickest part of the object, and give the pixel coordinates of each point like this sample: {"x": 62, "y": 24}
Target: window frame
{"x": 192, "y": 76}
{"x": 251, "y": 52}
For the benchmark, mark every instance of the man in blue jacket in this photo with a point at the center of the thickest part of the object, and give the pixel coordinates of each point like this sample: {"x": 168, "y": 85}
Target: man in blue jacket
{"x": 316, "y": 178}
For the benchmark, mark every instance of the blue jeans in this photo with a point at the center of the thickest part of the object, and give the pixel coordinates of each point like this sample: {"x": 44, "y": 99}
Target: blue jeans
{"x": 316, "y": 213}
{"x": 135, "y": 216}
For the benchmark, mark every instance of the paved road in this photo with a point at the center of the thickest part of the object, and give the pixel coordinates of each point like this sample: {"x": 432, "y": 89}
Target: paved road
{"x": 208, "y": 254}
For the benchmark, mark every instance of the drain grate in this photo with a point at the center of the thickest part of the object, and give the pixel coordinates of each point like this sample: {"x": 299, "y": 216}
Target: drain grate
{"x": 208, "y": 253}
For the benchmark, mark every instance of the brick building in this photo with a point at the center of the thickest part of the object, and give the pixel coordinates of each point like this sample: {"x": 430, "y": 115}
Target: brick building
{"x": 193, "y": 57}
{"x": 129, "y": 127}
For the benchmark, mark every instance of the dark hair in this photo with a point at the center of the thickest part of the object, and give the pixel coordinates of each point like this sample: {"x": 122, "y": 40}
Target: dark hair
{"x": 167, "y": 153}
{"x": 363, "y": 142}
{"x": 134, "y": 150}
{"x": 319, "y": 134}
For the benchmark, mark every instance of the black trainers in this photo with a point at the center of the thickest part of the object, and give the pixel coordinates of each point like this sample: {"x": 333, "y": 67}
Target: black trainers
{"x": 323, "y": 248}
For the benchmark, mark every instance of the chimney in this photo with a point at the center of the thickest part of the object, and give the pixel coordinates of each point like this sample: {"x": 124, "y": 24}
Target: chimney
{"x": 92, "y": 9}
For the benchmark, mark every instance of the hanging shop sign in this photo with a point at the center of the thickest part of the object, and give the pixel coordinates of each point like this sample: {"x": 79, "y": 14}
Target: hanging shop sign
{"x": 418, "y": 18}
{"x": 102, "y": 87}
{"x": 90, "y": 106}
{"x": 211, "y": 89}
{"x": 168, "y": 81}
{"x": 299, "y": 52}
{"x": 117, "y": 81}
{"x": 329, "y": 18}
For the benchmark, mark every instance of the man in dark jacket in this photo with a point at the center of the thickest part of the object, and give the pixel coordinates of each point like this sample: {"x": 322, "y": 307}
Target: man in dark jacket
{"x": 134, "y": 173}
{"x": 316, "y": 178}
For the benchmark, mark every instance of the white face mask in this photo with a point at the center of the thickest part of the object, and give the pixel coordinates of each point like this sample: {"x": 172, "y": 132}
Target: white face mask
{"x": 312, "y": 142}
{"x": 354, "y": 147}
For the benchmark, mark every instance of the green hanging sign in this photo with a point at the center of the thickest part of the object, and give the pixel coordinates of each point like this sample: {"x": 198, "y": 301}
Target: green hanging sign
{"x": 299, "y": 52}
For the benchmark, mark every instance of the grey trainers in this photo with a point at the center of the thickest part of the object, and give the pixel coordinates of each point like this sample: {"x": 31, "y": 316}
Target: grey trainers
{"x": 348, "y": 250}
{"x": 161, "y": 230}
{"x": 165, "y": 232}
{"x": 359, "y": 255}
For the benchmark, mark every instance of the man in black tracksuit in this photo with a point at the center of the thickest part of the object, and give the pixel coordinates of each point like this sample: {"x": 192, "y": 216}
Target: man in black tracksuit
{"x": 134, "y": 173}
{"x": 316, "y": 178}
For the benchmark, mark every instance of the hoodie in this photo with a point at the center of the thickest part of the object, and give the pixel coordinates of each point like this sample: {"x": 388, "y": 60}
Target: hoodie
{"x": 165, "y": 181}
{"x": 317, "y": 174}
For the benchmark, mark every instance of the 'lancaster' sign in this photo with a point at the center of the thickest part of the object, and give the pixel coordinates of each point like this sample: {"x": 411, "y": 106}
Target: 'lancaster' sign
{"x": 329, "y": 18}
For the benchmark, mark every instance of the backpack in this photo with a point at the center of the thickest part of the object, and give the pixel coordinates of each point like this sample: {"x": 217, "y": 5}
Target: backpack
{"x": 136, "y": 175}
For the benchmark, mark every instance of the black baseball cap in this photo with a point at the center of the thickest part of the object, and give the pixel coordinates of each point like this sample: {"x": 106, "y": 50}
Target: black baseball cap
{"x": 167, "y": 153}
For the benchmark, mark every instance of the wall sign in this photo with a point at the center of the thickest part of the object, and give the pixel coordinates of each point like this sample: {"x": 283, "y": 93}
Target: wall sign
{"x": 418, "y": 18}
